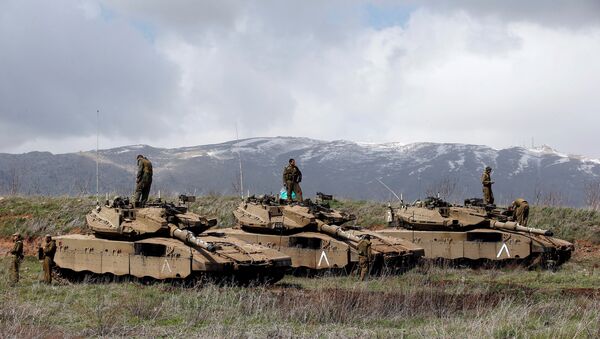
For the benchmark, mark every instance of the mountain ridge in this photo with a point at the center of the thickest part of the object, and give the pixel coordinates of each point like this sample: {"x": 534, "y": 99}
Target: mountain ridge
{"x": 344, "y": 168}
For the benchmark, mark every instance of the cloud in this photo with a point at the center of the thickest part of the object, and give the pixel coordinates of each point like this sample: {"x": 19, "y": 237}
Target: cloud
{"x": 61, "y": 62}
{"x": 563, "y": 13}
{"x": 191, "y": 72}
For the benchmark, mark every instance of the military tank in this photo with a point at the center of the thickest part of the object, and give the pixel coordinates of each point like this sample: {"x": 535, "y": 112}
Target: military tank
{"x": 474, "y": 234}
{"x": 310, "y": 233}
{"x": 163, "y": 241}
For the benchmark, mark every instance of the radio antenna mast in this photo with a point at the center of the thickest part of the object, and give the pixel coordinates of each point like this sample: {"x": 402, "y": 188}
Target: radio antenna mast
{"x": 240, "y": 161}
{"x": 97, "y": 156}
{"x": 389, "y": 189}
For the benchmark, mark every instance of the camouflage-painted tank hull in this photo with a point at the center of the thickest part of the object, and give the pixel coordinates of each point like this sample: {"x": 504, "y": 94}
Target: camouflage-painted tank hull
{"x": 488, "y": 246}
{"x": 160, "y": 258}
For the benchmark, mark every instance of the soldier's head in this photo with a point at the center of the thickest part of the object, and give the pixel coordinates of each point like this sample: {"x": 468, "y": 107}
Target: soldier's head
{"x": 16, "y": 236}
{"x": 292, "y": 162}
{"x": 367, "y": 237}
{"x": 48, "y": 237}
{"x": 139, "y": 157}
{"x": 488, "y": 169}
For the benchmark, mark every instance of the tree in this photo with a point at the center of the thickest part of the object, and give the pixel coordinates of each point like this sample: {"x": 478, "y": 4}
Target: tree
{"x": 591, "y": 190}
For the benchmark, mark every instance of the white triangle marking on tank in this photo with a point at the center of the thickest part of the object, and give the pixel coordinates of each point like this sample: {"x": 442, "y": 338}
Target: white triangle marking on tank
{"x": 323, "y": 256}
{"x": 504, "y": 247}
{"x": 166, "y": 265}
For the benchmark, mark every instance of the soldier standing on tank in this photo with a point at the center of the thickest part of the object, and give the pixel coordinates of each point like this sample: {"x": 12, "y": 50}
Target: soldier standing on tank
{"x": 48, "y": 251}
{"x": 486, "y": 180}
{"x": 17, "y": 252}
{"x": 143, "y": 181}
{"x": 364, "y": 256}
{"x": 291, "y": 180}
{"x": 521, "y": 211}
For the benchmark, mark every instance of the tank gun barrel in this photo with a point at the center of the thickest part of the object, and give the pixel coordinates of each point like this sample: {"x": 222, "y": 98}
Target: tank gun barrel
{"x": 190, "y": 239}
{"x": 337, "y": 231}
{"x": 513, "y": 226}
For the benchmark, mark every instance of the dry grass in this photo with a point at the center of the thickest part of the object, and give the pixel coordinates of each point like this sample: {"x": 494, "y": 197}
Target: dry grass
{"x": 426, "y": 302}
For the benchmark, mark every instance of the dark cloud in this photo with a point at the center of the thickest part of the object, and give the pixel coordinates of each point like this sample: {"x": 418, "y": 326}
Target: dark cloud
{"x": 567, "y": 13}
{"x": 58, "y": 65}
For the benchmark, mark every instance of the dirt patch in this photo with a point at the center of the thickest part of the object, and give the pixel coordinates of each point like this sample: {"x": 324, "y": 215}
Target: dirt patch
{"x": 586, "y": 250}
{"x": 16, "y": 216}
{"x": 30, "y": 246}
{"x": 582, "y": 292}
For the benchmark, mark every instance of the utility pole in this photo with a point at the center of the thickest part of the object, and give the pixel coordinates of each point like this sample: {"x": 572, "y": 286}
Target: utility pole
{"x": 97, "y": 156}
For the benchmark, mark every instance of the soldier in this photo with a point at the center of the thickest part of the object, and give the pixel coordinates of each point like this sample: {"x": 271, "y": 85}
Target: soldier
{"x": 143, "y": 181}
{"x": 17, "y": 252}
{"x": 291, "y": 180}
{"x": 364, "y": 255}
{"x": 486, "y": 180}
{"x": 521, "y": 211}
{"x": 48, "y": 251}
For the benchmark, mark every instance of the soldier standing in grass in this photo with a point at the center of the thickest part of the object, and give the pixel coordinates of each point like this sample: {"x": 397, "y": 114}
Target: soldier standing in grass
{"x": 364, "y": 255}
{"x": 17, "y": 252}
{"x": 486, "y": 180}
{"x": 143, "y": 181}
{"x": 49, "y": 249}
{"x": 291, "y": 180}
{"x": 521, "y": 211}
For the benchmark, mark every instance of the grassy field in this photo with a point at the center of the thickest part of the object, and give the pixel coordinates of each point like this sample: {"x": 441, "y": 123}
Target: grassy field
{"x": 428, "y": 301}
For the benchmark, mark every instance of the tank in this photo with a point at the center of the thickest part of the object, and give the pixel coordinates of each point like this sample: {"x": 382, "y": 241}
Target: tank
{"x": 474, "y": 233}
{"x": 312, "y": 235}
{"x": 163, "y": 241}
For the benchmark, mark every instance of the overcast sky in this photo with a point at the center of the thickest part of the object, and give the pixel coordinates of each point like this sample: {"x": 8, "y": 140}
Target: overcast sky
{"x": 181, "y": 73}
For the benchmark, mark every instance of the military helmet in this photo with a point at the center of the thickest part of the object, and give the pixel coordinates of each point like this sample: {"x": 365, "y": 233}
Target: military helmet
{"x": 139, "y": 156}
{"x": 367, "y": 236}
{"x": 17, "y": 234}
{"x": 488, "y": 168}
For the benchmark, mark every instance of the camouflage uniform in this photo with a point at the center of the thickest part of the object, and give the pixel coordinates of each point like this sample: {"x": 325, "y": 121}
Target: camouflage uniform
{"x": 143, "y": 181}
{"x": 521, "y": 211}
{"x": 49, "y": 251}
{"x": 364, "y": 257}
{"x": 17, "y": 252}
{"x": 486, "y": 180}
{"x": 291, "y": 180}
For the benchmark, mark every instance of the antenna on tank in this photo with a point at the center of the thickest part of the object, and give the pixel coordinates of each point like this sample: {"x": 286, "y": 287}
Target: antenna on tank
{"x": 97, "y": 156}
{"x": 389, "y": 189}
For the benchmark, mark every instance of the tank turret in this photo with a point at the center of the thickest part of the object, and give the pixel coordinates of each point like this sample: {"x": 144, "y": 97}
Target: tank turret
{"x": 316, "y": 226}
{"x": 163, "y": 241}
{"x": 475, "y": 232}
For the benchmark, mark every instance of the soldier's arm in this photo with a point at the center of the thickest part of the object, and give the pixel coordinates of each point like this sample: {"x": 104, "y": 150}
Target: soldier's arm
{"x": 140, "y": 172}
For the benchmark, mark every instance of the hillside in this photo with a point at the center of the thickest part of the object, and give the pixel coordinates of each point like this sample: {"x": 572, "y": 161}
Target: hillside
{"x": 35, "y": 216}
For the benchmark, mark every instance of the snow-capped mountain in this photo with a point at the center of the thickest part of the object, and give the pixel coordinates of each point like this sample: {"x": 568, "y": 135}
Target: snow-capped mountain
{"x": 343, "y": 168}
